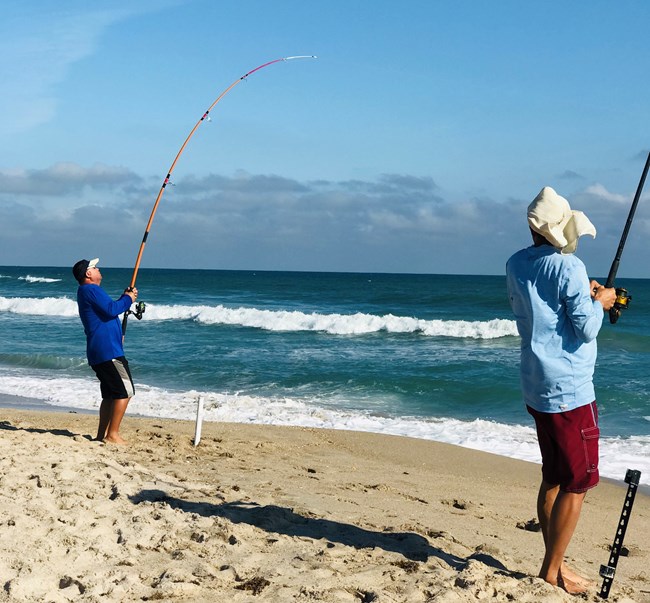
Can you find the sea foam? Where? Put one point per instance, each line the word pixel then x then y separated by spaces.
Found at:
pixel 514 441
pixel 283 320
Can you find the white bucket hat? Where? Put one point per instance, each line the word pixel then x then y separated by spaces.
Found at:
pixel 551 216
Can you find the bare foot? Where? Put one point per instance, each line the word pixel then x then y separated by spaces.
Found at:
pixel 115 440
pixel 573 588
pixel 568 574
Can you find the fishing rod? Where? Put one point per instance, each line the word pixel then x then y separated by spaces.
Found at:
pixel 140 306
pixel 623 298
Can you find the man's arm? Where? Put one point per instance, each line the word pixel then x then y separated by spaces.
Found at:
pixel 578 295
pixel 605 295
pixel 107 307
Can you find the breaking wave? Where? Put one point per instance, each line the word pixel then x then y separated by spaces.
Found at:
pixel 45 306
pixel 282 320
pixel 335 324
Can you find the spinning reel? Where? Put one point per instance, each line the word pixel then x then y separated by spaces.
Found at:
pixel 623 299
pixel 140 307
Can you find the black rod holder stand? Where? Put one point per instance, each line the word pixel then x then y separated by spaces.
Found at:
pixel 607 572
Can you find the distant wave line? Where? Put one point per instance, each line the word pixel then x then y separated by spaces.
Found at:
pixel 39 279
pixel 33 279
pixel 283 320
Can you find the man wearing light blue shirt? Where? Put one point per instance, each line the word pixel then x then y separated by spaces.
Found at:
pixel 559 312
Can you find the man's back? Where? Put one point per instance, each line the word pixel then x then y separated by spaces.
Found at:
pixel 558 323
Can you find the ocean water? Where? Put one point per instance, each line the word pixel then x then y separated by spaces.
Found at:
pixel 426 356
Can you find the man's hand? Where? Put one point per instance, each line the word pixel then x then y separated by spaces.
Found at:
pixel 605 295
pixel 132 292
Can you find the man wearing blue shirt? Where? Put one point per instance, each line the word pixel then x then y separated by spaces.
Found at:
pixel 104 346
pixel 559 312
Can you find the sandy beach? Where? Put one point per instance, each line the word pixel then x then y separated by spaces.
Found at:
pixel 258 513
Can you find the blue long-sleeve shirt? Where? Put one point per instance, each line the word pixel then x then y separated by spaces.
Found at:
pixel 99 315
pixel 558 322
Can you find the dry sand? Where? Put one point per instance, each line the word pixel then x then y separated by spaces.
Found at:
pixel 258 513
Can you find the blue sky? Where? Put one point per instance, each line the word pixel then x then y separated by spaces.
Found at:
pixel 412 144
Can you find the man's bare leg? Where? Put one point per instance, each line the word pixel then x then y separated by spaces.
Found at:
pixel 110 419
pixel 105 412
pixel 558 514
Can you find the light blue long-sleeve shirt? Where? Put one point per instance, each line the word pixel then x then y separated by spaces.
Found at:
pixel 558 322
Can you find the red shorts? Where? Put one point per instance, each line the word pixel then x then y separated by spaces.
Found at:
pixel 568 442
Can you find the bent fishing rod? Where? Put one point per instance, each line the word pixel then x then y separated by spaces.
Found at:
pixel 140 306
pixel 623 298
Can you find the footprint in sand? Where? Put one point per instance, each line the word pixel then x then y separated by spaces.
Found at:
pixel 463 505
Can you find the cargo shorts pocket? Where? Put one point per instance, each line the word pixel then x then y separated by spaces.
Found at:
pixel 590 437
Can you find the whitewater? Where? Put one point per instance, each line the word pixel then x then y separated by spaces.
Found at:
pixel 336 324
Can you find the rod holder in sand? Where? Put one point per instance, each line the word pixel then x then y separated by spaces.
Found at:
pixel 199 421
pixel 632 478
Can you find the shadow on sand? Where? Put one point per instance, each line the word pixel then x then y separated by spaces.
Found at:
pixel 9 426
pixel 283 520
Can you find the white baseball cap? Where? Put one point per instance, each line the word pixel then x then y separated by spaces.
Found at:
pixel 81 267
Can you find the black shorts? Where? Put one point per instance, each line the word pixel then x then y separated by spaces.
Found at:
pixel 115 379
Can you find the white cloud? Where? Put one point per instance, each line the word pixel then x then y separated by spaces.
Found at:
pixel 248 221
pixel 599 191
pixel 39 44
pixel 62 179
